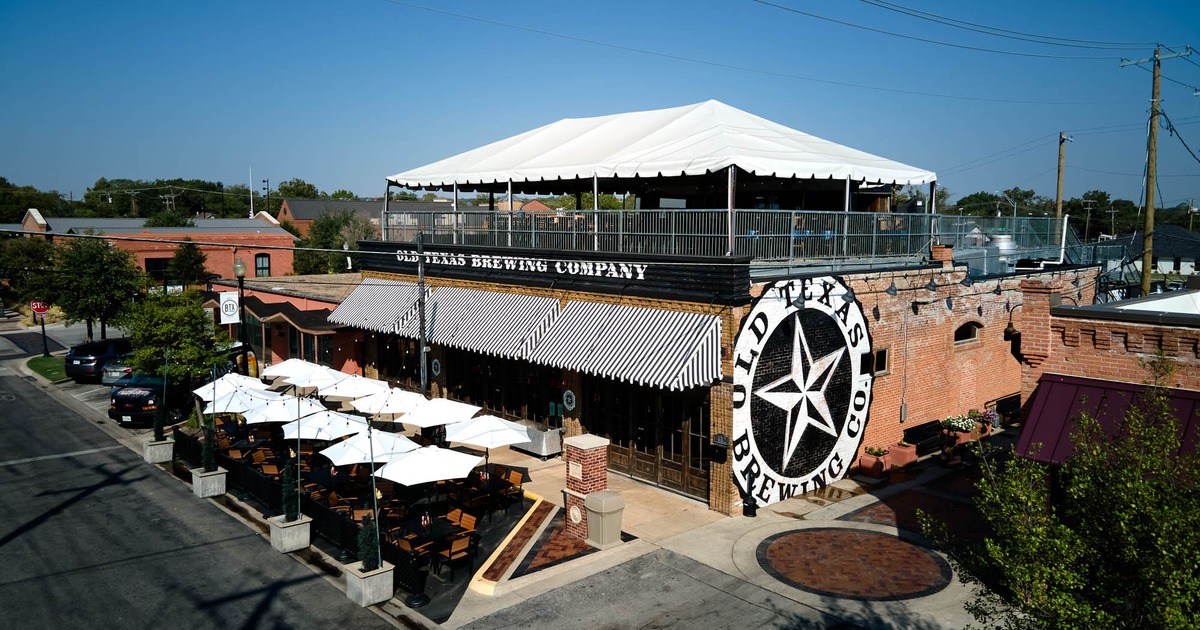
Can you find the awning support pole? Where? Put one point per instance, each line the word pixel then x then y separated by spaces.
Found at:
pixel 383 218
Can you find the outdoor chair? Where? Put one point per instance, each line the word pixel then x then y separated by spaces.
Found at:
pixel 420 552
pixel 461 549
pixel 454 516
pixel 467 522
pixel 339 504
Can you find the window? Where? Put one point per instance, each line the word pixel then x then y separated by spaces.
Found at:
pixel 324 345
pixel 157 267
pixel 876 362
pixel 967 332
pixel 262 265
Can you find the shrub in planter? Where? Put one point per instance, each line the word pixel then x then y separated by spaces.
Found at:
pixel 368 545
pixel 291 496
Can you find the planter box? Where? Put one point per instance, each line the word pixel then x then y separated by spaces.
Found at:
pixel 287 537
pixel 962 437
pixel 874 466
pixel 366 589
pixel 902 456
pixel 158 452
pixel 208 484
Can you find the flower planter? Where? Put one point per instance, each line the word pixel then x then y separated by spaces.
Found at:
pixel 158 452
pixel 208 484
pixel 373 587
pixel 287 537
pixel 902 456
pixel 874 465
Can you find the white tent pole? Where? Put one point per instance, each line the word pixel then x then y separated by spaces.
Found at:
pixel 510 216
pixel 454 223
pixel 846 223
pixel 595 212
pixel 729 215
pixel 383 228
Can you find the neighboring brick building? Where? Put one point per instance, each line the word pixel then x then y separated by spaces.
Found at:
pixel 302 212
pixel 1089 358
pixel 265 247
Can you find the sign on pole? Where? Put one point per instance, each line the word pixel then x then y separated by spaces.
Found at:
pixel 39 307
pixel 229 307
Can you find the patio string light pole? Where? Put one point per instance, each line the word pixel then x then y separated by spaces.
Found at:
pixel 239 270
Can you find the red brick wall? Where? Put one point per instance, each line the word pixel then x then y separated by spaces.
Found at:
pixel 219 259
pixel 594 478
pixel 1104 349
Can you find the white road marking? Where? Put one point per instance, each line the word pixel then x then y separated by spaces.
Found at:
pixel 15 462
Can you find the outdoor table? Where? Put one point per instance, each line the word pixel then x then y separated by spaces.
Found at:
pixel 438 529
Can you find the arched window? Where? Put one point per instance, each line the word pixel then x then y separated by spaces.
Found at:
pixel 967 332
pixel 262 265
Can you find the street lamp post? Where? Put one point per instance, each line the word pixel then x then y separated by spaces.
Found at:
pixel 239 270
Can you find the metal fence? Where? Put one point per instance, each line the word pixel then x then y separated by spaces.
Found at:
pixel 766 235
pixel 337 528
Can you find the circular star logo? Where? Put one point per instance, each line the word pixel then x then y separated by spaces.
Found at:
pixel 800 399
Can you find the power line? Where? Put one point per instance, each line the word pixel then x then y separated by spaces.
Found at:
pixel 1048 40
pixel 923 39
pixel 1175 133
pixel 714 64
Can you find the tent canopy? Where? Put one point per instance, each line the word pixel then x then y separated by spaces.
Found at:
pixel 689 140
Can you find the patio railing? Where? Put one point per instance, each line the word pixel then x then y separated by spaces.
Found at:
pixel 766 235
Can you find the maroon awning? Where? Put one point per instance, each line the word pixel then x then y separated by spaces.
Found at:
pixel 1059 400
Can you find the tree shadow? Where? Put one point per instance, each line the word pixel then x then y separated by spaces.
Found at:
pixel 79 493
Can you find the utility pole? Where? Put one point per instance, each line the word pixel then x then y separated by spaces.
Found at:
pixel 1088 205
pixel 1063 139
pixel 1152 162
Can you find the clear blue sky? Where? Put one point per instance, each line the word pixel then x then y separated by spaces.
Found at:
pixel 343 94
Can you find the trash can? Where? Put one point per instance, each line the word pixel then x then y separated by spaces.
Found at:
pixel 604 511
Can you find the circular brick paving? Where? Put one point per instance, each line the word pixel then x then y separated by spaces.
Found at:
pixel 853 564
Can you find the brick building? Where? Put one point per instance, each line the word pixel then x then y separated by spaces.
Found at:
pixel 263 245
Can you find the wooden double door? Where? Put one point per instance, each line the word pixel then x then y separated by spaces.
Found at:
pixel 656 436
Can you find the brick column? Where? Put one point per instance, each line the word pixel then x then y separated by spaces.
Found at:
pixel 1034 325
pixel 586 458
pixel 943 254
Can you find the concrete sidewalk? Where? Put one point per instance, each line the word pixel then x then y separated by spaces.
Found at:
pixel 834 529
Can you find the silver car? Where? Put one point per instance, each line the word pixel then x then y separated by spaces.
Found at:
pixel 115 369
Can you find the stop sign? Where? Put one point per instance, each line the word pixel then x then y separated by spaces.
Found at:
pixel 39 307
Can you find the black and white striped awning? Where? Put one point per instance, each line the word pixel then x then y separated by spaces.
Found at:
pixel 658 348
pixel 377 305
pixel 489 322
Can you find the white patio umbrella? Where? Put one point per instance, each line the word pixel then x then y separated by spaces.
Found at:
pixel 324 425
pixel 393 401
pixel 318 377
pixel 231 382
pixel 488 432
pixel 283 409
pixel 240 401
pixel 358 448
pixel 435 411
pixel 353 387
pixel 289 367
pixel 426 464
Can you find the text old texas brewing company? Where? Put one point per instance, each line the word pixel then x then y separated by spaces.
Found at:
pixel 800 397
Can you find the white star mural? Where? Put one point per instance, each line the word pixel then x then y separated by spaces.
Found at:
pixel 806 406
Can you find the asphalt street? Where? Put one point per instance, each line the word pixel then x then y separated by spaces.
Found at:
pixel 93 537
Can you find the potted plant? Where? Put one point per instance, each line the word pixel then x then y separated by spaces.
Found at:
pixel 903 454
pixel 208 480
pixel 369 581
pixel 290 531
pixel 874 462
pixel 158 450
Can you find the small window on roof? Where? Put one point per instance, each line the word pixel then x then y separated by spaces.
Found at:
pixel 967 332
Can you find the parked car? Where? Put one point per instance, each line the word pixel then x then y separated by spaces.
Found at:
pixel 86 361
pixel 116 369
pixel 136 398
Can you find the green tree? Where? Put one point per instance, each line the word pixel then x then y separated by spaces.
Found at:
pixel 343 195
pixel 169 218
pixel 179 325
pixel 27 264
pixel 94 281
pixel 15 200
pixel 187 265
pixel 1109 540
pixel 328 232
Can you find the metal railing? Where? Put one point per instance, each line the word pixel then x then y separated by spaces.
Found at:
pixel 766 235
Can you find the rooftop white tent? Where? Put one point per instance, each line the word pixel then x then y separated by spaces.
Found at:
pixel 691 140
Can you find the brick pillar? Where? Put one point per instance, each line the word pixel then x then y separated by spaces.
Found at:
pixel 943 254
pixel 586 458
pixel 1034 325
